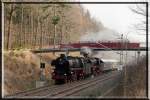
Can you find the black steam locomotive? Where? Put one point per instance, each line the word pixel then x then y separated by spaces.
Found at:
pixel 69 68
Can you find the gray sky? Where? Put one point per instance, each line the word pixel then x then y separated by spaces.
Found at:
pixel 117 17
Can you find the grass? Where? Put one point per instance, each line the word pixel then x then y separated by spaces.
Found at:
pixel 30 85
pixel 95 93
pixel 136 79
pixel 22 68
pixel 19 70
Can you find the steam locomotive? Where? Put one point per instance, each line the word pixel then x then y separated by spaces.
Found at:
pixel 69 68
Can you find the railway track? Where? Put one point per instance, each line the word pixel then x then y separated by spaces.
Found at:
pixel 70 91
pixel 65 89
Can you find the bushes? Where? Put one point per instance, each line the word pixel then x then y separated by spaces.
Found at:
pixel 136 79
pixel 21 68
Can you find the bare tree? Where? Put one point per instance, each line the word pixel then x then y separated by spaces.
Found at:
pixel 56 23
pixel 9 35
pixel 140 9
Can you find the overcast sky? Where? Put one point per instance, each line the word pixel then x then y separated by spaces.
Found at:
pixel 117 17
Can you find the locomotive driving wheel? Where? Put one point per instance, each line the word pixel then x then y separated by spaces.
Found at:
pixel 59 81
pixel 73 76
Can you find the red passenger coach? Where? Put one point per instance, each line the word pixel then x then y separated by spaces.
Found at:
pixel 112 45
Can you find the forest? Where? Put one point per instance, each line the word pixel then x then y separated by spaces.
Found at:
pixel 43 25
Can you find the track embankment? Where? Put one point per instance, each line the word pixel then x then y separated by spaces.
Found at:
pixel 79 88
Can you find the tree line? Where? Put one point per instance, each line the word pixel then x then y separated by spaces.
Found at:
pixel 39 25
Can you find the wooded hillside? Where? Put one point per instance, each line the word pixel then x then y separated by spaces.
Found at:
pixel 35 25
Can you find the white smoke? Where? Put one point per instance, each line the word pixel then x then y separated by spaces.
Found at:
pixel 103 35
pixel 86 50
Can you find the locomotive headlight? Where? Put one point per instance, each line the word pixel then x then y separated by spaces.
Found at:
pixel 65 74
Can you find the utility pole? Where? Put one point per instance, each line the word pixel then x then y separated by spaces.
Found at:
pixel 121 47
pixel 121 63
pixel 125 70
pixel 125 67
pixel 138 58
pixel 135 58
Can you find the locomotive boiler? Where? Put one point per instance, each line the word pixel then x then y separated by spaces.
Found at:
pixel 69 68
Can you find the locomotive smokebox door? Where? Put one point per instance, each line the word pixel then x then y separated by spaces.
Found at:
pixel 42 65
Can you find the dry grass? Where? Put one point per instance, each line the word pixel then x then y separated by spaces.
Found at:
pixel 22 68
pixel 136 79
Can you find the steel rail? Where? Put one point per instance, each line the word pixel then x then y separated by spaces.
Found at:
pixel 50 91
pixel 80 87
